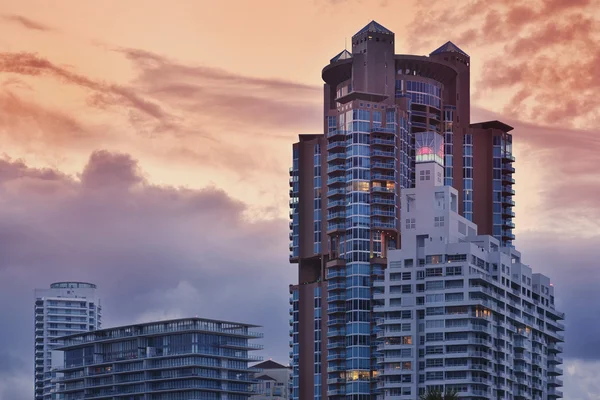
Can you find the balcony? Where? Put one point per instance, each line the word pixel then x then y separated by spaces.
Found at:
pixel 383 177
pixel 554 370
pixel 333 274
pixel 383 165
pixel 336 298
pixel 383 225
pixel 507 190
pixel 336 181
pixel 382 200
pixel 382 189
pixel 336 215
pixel 554 381
pixel 336 310
pixel 376 211
pixel 336 203
pixel 334 287
pixel 336 170
pixel 336 356
pixel 383 154
pixel 555 348
pixel 381 129
pixel 336 133
pixel 336 227
pixel 383 142
pixel 336 157
pixel 336 321
pixel 336 381
pixel 331 193
pixel 507 179
pixel 554 393
pixel 337 144
pixel 508 157
pixel 508 168
pixel 336 345
pixel 554 359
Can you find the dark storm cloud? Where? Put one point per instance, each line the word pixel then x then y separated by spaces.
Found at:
pixel 154 252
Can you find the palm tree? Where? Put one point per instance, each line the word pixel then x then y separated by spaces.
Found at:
pixel 436 394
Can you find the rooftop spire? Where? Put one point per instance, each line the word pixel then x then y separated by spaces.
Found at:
pixel 374 27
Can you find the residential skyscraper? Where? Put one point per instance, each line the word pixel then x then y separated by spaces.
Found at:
pixel 456 311
pixel 182 359
pixel 63 309
pixel 383 112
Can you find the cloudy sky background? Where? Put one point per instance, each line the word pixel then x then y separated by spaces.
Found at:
pixel 145 147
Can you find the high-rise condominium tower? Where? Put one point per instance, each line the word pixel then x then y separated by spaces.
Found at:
pixel 458 312
pixel 63 309
pixel 382 113
pixel 181 359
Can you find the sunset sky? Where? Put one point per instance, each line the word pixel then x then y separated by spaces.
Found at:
pixel 146 145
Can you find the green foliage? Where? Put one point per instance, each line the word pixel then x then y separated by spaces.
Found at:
pixel 435 394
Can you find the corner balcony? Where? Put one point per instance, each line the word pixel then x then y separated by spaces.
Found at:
pixel 554 381
pixel 336 310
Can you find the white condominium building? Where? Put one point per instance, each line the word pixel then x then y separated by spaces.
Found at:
pixel 458 312
pixel 63 309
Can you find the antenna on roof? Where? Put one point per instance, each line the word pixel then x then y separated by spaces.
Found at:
pixel 345 43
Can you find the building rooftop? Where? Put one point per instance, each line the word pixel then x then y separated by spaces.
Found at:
pixel 343 55
pixel 269 364
pixel 72 285
pixel 374 27
pixel 449 47
pixel 160 328
pixel 492 125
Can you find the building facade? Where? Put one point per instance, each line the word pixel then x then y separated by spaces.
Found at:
pixel 457 311
pixel 181 359
pixel 272 381
pixel 383 112
pixel 63 309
